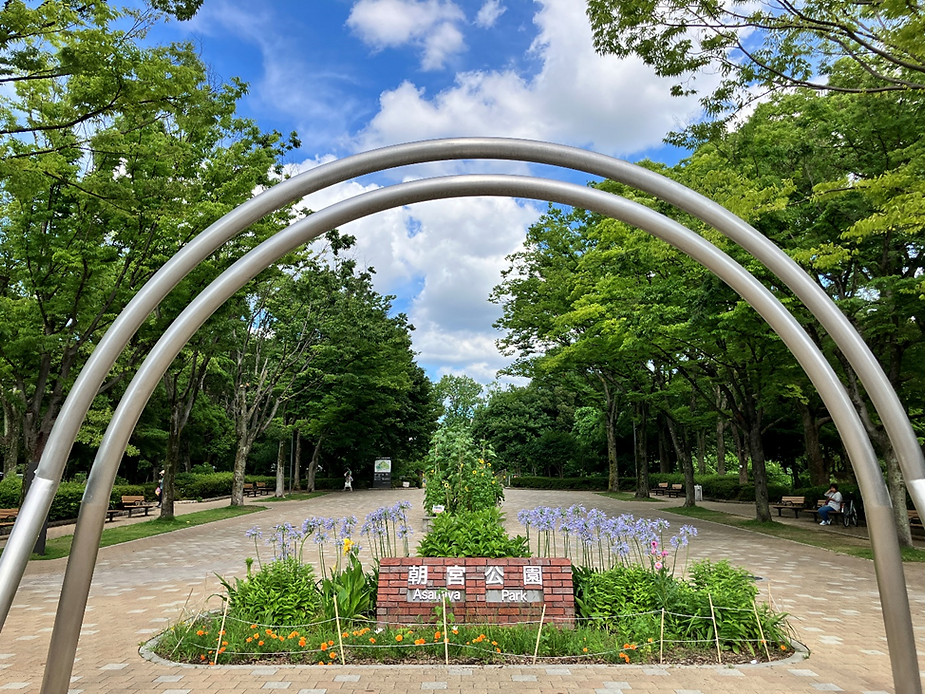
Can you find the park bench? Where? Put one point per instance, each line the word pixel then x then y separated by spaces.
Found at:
pixel 262 488
pixel 250 489
pixel 661 489
pixel 847 513
pixel 8 516
pixel 675 490
pixel 793 503
pixel 133 504
pixel 914 520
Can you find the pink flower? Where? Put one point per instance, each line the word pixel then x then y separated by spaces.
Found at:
pixel 653 552
pixel 655 543
pixel 658 566
pixel 664 552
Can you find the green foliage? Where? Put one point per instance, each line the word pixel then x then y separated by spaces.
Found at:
pixel 460 477
pixel 630 600
pixel 280 592
pixel 10 491
pixel 471 534
pixel 354 590
pixel 572 483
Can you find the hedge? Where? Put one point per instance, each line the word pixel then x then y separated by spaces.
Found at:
pixel 584 483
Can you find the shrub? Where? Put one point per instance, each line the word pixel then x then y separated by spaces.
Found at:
pixel 10 491
pixel 280 592
pixel 571 483
pixel 352 588
pixel 472 534
pixel 120 490
pixel 208 486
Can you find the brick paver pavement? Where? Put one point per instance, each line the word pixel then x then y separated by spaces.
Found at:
pixel 141 586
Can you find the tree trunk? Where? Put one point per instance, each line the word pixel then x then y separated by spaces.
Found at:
pixel 639 452
pixel 720 446
pixel 759 471
pixel 818 475
pixel 664 462
pixel 702 452
pixel 741 454
pixel 610 420
pixel 297 457
pixel 12 435
pixel 681 446
pixel 313 466
pixel 280 470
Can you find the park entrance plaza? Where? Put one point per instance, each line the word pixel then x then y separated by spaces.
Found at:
pixel 142 586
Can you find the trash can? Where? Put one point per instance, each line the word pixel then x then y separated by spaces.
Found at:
pixel 698 492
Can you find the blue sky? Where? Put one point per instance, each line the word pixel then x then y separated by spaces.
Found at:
pixel 351 75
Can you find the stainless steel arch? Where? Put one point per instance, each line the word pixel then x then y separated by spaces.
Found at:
pixel 38 502
pixel 86 541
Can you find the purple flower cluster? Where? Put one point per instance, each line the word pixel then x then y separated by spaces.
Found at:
pixel 594 539
pixel 385 527
pixel 288 542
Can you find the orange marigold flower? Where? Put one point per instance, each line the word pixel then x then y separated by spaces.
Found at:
pixel 302 642
pixel 321 662
pixel 345 635
pixel 253 626
pixel 221 633
pixel 626 645
pixel 584 650
pixel 224 643
pixel 200 632
pixel 332 655
pixel 783 647
pixel 455 631
pixel 269 631
pixel 260 643
pixel 324 646
pixel 202 657
pixel 436 635
pixel 221 650
pixel 256 635
pixel 372 640
pixel 249 639
pixel 494 643
pixel 650 639
pixel 497 650
pixel 399 637
pixel 633 646
pixel 330 643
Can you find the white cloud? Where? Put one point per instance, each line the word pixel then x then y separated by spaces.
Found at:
pixel 451 252
pixel 578 97
pixel 428 24
pixel 489 13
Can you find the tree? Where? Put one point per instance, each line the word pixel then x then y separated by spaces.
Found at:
pixel 756 48
pixel 461 396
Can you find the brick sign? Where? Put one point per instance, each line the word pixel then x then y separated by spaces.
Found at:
pixel 477 590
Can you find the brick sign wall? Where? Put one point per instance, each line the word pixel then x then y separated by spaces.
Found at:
pixel 478 590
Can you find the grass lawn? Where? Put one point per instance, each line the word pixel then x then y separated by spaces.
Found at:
pixel 626 496
pixel 296 496
pixel 58 547
pixel 843 544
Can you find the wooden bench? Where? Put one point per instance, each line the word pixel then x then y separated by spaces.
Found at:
pixel 675 490
pixel 262 488
pixel 133 504
pixel 661 489
pixel 822 502
pixel 793 503
pixel 914 520
pixel 8 516
pixel 250 489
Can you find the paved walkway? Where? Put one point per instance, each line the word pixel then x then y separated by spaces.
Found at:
pixel 141 586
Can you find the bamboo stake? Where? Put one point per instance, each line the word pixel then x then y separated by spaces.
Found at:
pixel 761 631
pixel 719 655
pixel 221 632
pixel 539 633
pixel 661 641
pixel 340 638
pixel 446 638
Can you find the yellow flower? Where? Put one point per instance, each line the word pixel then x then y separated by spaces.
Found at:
pixel 348 545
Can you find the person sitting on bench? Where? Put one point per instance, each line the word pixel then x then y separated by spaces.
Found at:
pixel 833 504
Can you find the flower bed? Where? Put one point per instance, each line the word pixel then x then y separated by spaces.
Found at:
pixel 636 597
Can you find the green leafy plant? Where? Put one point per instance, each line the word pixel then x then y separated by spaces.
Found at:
pixel 472 534
pixel 280 592
pixel 460 476
pixel 352 588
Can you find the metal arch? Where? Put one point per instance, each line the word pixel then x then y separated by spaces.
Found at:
pixel 51 466
pixel 897 615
